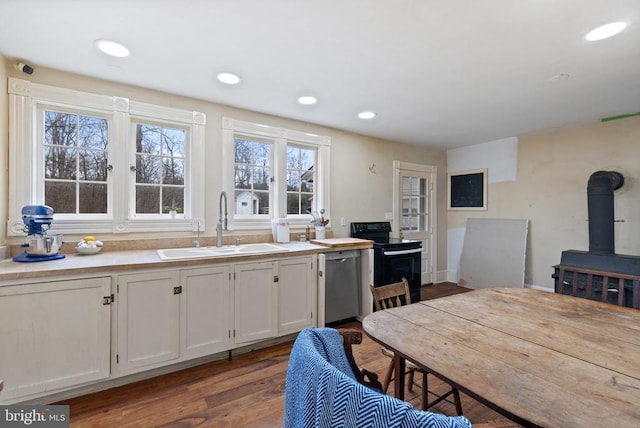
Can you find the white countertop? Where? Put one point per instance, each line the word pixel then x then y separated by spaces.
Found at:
pixel 106 262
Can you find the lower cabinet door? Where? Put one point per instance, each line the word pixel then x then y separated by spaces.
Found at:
pixel 255 312
pixel 206 312
pixel 296 294
pixel 148 319
pixel 53 335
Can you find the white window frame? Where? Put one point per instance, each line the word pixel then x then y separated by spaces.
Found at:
pixel 39 154
pixel 26 99
pixel 280 137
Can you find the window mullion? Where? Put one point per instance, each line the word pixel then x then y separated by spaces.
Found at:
pixel 77 164
pixel 195 195
pixel 279 173
pixel 37 161
pixel 322 180
pixel 120 176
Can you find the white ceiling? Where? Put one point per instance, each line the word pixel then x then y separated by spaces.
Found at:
pixel 445 73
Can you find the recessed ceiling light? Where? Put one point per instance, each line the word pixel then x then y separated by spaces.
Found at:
pixel 307 100
pixel 606 31
pixel 112 48
pixel 229 78
pixel 367 114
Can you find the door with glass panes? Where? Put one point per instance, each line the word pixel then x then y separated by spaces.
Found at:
pixel 414 211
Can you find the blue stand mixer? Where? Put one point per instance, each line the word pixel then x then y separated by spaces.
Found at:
pixel 38 245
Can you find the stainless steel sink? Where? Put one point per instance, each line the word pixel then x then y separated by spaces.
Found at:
pixel 225 251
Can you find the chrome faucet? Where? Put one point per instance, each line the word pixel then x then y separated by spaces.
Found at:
pixel 222 223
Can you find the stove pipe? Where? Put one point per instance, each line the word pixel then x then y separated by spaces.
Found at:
pixel 600 206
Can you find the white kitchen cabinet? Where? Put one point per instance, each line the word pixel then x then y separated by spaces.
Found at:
pixel 269 298
pixel 206 313
pixel 54 335
pixel 148 319
pixel 255 301
pixel 296 294
pixel 175 315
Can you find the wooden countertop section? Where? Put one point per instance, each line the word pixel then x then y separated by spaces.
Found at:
pixel 341 242
pixel 110 262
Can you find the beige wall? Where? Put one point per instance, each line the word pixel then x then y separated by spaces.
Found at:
pixel 356 193
pixel 550 190
pixel 363 195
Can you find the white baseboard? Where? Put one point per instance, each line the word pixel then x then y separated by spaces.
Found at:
pixel 452 276
pixel 446 276
pixel 539 287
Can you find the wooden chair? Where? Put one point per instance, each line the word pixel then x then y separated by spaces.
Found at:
pixel 365 377
pixel 394 295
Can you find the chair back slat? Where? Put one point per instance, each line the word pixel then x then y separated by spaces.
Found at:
pixel 391 296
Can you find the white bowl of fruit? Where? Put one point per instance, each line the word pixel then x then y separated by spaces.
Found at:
pixel 89 245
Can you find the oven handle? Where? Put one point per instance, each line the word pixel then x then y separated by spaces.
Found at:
pixel 401 252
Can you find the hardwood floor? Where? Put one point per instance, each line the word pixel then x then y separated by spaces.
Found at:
pixel 432 291
pixel 245 392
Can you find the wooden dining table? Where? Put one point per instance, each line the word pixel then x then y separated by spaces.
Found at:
pixel 539 358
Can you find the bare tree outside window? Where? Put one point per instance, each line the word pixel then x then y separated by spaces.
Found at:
pixel 76 163
pixel 300 179
pixel 160 169
pixel 252 176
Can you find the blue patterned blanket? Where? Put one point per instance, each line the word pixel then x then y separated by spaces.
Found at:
pixel 321 391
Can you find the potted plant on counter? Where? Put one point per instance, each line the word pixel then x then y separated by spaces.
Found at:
pixel 173 208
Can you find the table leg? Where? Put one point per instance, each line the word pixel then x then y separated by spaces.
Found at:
pixel 398 381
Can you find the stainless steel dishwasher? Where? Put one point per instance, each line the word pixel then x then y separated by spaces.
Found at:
pixel 342 285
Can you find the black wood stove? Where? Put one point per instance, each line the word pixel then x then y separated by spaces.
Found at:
pixel 601 257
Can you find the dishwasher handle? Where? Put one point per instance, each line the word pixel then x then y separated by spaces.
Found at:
pixel 342 256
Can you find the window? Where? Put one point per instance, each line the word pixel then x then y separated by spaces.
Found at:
pixel 75 162
pixel 252 176
pixel 105 164
pixel 276 173
pixel 300 177
pixel 414 203
pixel 160 169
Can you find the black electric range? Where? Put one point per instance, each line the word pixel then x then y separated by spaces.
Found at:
pixel 393 258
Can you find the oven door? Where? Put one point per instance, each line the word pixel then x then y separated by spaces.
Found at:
pixel 391 265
